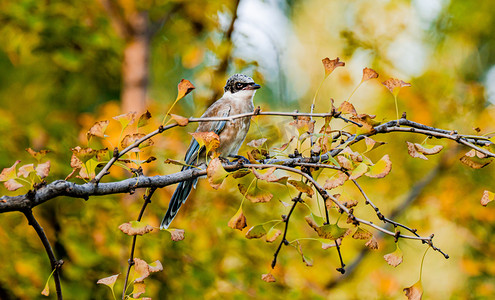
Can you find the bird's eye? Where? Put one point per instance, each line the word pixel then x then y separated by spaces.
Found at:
pixel 239 85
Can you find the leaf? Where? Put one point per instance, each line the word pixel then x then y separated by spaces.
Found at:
pixel 38 155
pixel 475 159
pixel 302 187
pixel 303 125
pixel 240 173
pixel 183 88
pixel 268 277
pixel 25 170
pixel 255 194
pixel 269 177
pixel 344 162
pixel 487 197
pixel 305 260
pixel 12 185
pixel 284 146
pixel 135 228
pixel 175 162
pixel 372 144
pixel 257 143
pixel 238 221
pixel 216 173
pixel 256 232
pixel 335 182
pixel 208 139
pixel 419 151
pixel 367 123
pixel 381 168
pixel 102 154
pixel 314 221
pixel 394 85
pixel 331 64
pixel 130 139
pixel 43 169
pixel 272 235
pixel 9 173
pixel 141 270
pixel 46 289
pixel 126 119
pixel 347 108
pixel 138 289
pixel 82 154
pixel 182 121
pixel 155 266
pixel 326 128
pixel 144 119
pixel 395 258
pixel 372 243
pixel 358 171
pixel 108 281
pixel 326 244
pixel 331 231
pixel 369 74
pixel 414 292
pixel 98 129
pixel 362 234
pixel 176 234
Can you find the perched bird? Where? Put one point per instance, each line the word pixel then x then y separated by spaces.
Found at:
pixel 237 99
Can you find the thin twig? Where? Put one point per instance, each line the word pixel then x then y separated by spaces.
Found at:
pixel 55 264
pixel 147 200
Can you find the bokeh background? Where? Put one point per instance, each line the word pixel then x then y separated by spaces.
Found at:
pixel 65 65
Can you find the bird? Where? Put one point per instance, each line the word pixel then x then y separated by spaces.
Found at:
pixel 237 99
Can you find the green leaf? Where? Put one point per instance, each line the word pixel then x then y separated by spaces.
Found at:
pixel 358 171
pixel 272 235
pixel 256 232
pixel 144 119
pixel 126 119
pixel 331 231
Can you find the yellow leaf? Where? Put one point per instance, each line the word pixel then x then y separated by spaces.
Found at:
pixel 335 182
pixel 126 119
pixel 25 170
pixel 255 194
pixel 475 159
pixel 372 243
pixel 381 168
pixel 347 108
pixel 98 129
pixel 394 85
pixel 108 281
pixel 144 119
pixel 358 171
pixel 183 88
pixel 302 187
pixel 216 173
pixel 141 270
pixel 372 144
pixel 256 232
pixel 362 234
pixel 272 235
pixel 138 289
pixel 208 139
pixel 9 173
pixel 38 155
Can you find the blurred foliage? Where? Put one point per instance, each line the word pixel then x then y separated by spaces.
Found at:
pixel 60 68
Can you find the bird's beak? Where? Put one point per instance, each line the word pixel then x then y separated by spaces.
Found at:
pixel 252 86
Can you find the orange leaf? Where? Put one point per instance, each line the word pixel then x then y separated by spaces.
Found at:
pixel 183 88
pixel 98 129
pixel 142 270
pixel 182 121
pixel 268 277
pixel 138 289
pixel 216 173
pixel 369 74
pixel 331 64
pixel 347 108
pixel 135 228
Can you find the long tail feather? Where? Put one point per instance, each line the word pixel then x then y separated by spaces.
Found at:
pixel 178 198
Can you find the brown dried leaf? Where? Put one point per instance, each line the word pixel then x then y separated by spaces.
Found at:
pixel 256 232
pixel 83 154
pixel 12 185
pixel 42 170
pixel 394 85
pixel 142 270
pixel 487 197
pixel 135 228
pixel 182 121
pixel 335 182
pixel 305 260
pixel 208 139
pixel 126 119
pixel 413 152
pixel 183 88
pixel 176 234
pixel 98 129
pixel 395 258
pixel 344 162
pixel 255 194
pixel 238 221
pixel 155 266
pixel 331 64
pixel 369 74
pixel 38 155
pixel 303 125
pixel 46 290
pixel 268 277
pixel 414 292
pixel 372 144
pixel 372 243
pixel 475 159
pixel 358 171
pixel 257 143
pixel 362 234
pixel 347 108
pixel 284 146
pixel 426 150
pixel 130 139
pixel 311 222
pixel 302 187
pixel 108 281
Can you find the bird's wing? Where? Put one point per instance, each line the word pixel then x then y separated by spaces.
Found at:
pixel 217 127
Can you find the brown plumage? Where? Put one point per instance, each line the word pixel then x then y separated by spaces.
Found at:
pixel 237 99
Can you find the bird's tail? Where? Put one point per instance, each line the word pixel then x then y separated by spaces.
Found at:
pixel 178 198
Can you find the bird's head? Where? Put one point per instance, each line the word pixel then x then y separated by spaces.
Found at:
pixel 241 84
